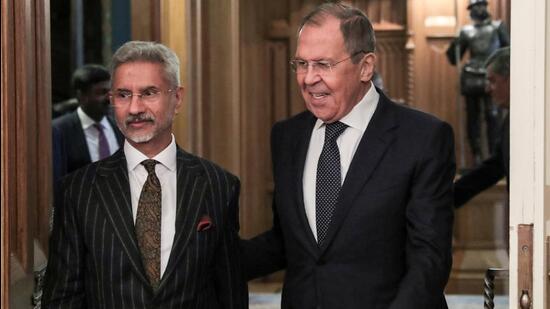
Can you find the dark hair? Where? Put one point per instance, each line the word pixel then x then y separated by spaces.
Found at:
pixel 354 24
pixel 88 75
pixel 499 61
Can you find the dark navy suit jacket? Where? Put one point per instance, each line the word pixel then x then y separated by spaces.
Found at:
pixel 389 241
pixel 74 148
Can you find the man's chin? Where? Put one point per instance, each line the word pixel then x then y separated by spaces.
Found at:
pixel 140 139
pixel 323 115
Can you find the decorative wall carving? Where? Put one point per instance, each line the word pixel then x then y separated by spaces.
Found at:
pixel 383 12
pixel 392 62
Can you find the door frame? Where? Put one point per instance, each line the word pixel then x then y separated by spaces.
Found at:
pixel 530 140
pixel 26 143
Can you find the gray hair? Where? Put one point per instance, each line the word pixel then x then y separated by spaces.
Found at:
pixel 499 61
pixel 134 51
pixel 354 24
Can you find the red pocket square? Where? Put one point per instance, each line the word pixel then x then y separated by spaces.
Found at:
pixel 205 223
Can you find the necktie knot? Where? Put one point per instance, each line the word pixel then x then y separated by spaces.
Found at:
pixel 98 126
pixel 150 165
pixel 333 130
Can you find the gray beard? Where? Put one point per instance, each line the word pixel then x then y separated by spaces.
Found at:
pixel 142 138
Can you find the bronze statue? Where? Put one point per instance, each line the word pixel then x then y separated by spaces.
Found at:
pixel 481 39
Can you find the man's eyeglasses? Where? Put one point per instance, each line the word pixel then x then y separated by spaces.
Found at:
pixel 123 97
pixel 300 66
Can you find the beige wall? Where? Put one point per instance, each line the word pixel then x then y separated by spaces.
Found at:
pixel 174 34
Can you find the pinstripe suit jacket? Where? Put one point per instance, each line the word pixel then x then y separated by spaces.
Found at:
pixel 94 259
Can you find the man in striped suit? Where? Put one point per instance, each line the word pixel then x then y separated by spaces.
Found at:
pixel 152 226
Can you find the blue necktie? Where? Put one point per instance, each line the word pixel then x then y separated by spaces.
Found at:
pixel 329 179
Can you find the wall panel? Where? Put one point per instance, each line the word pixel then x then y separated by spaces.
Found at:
pixel 8 192
pixel 26 151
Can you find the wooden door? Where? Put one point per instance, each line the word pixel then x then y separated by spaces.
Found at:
pixel 26 140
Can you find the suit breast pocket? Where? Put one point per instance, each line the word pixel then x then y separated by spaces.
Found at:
pixel 388 184
pixel 204 242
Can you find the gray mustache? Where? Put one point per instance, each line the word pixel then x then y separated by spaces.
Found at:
pixel 140 117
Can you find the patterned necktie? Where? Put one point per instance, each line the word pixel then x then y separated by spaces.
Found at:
pixel 329 179
pixel 103 145
pixel 148 223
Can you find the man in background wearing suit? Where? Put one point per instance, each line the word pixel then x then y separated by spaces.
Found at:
pixel 87 134
pixel 151 226
pixel 497 166
pixel 362 206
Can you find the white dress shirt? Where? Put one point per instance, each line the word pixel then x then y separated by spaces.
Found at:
pixel 357 121
pixel 92 134
pixel 167 174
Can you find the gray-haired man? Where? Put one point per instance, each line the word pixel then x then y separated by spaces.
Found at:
pixel 497 166
pixel 151 226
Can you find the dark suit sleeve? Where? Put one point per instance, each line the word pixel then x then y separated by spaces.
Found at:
pixel 503 35
pixel 265 254
pixel 64 282
pixel 429 215
pixel 59 164
pixel 231 287
pixel 58 155
pixel 482 177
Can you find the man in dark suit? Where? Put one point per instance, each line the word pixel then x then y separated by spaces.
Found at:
pixel 497 166
pixel 363 187
pixel 87 134
pixel 151 226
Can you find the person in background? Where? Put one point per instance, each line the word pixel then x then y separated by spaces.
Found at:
pixel 362 206
pixel 481 38
pixel 497 166
pixel 64 107
pixel 151 226
pixel 89 133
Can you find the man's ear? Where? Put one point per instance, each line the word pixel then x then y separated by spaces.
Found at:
pixel 180 91
pixel 367 67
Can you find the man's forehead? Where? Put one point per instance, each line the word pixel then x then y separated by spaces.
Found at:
pixel 142 64
pixel 322 21
pixel 139 72
pixel 319 41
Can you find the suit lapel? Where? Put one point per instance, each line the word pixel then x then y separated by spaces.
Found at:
pixel 113 188
pixel 79 143
pixel 299 159
pixel 192 186
pixel 375 141
pixel 118 135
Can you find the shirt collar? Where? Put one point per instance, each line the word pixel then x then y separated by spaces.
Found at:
pixel 361 113
pixel 166 157
pixel 87 122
